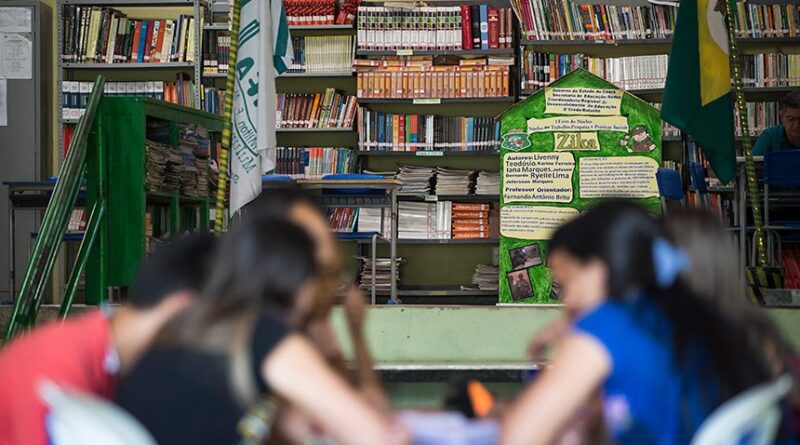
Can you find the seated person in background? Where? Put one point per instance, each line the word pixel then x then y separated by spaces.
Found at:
pixel 87 352
pixel 785 136
pixel 663 357
pixel 214 362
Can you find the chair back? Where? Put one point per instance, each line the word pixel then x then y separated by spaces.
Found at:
pixel 781 169
pixel 751 418
pixel 81 419
pixel 698 178
pixel 669 186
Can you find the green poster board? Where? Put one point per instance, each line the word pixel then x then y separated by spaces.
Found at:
pixel 575 143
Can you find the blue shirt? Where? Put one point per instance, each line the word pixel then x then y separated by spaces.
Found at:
pixel 772 139
pixel 647 400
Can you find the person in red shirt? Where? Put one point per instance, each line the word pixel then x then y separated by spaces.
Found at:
pixel 88 352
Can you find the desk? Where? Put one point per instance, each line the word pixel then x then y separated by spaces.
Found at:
pixel 27 196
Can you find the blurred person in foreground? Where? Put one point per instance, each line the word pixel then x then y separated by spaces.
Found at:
pixel 89 352
pixel 715 274
pixel 310 313
pixel 211 364
pixel 663 357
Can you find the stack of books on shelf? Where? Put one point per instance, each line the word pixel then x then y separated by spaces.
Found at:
pixel 343 219
pixel 770 70
pixel 313 162
pixel 106 35
pixel 77 221
pixel 369 221
pixel 194 146
pixel 487 183
pixel 415 180
pixel 454 182
pixel 216 53
pixel 759 20
pixel 424 220
pixel 322 54
pixel 383 273
pixel 435 28
pixel 486 277
pixel 632 73
pixel 310 12
pixel 75 94
pixel 379 131
pixel 568 20
pixel 164 167
pixel 470 221
pixel 411 77
pixel 760 116
pixel 321 110
pixel 212 100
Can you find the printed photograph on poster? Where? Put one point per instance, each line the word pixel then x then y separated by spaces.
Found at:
pixel 638 140
pixel 525 257
pixel 519 283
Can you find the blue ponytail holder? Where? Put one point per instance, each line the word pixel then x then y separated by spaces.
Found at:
pixel 668 262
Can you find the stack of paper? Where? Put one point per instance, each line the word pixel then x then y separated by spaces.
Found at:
pixel 488 183
pixel 416 180
pixel 424 220
pixel 202 176
pixel 194 139
pixel 369 220
pixel 173 172
pixel 453 182
pixel 486 277
pixel 383 273
pixel 156 156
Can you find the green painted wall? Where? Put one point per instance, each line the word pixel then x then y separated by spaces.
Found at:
pixel 425 334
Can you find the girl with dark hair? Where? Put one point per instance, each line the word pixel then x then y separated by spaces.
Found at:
pixel 662 357
pixel 216 360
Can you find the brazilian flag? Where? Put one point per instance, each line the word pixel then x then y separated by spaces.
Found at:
pixel 697 97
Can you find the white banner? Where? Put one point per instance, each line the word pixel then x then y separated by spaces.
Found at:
pixel 262 25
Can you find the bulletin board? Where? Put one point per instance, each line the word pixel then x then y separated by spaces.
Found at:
pixel 575 143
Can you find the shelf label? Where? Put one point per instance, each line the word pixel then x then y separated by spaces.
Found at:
pixel 427 101
pixel 431 198
pixel 405 52
pixel 429 153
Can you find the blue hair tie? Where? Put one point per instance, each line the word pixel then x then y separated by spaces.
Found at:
pixel 668 262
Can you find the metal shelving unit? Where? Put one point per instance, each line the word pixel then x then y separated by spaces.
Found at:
pixel 426 153
pixel 450 52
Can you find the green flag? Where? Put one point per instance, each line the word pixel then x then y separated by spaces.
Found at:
pixel 697 96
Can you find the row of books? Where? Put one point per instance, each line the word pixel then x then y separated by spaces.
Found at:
pixel 429 81
pixel 760 116
pixel 444 220
pixel 379 131
pixel 632 73
pixel 435 28
pixel 567 20
pixel 322 54
pixel 650 72
pixel 212 100
pixel 106 35
pixel 770 70
pixel 216 52
pixel 319 12
pixel 77 221
pixel 343 219
pixel 75 94
pixel 313 162
pixel 321 110
pixel 757 20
